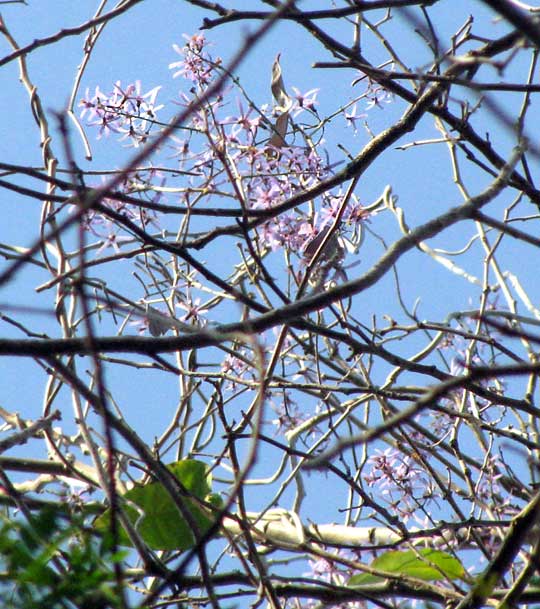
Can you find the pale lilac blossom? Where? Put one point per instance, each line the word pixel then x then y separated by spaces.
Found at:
pixel 128 111
pixel 196 65
pixel 399 480
pixel 305 101
pixel 265 198
pixel 378 96
pixel 289 417
pixel 194 310
pixel 352 117
pixel 111 239
pixel 243 123
pixel 234 368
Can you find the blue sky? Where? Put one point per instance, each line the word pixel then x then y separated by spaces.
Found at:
pixel 128 52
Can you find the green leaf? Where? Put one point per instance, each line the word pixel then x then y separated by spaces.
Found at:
pixel 425 563
pixel 156 517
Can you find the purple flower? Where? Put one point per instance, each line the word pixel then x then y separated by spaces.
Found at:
pixel 127 111
pixel 352 117
pixel 289 417
pixel 382 466
pixel 196 65
pixel 266 197
pixel 269 235
pixel 324 569
pixel 305 101
pixel 89 103
pixel 378 96
pixel 243 123
pixel 194 310
pixel 308 231
pixel 111 238
pixel 195 42
pixel 355 213
pixel 154 321
pixel 403 484
pixel 330 211
pixel 233 364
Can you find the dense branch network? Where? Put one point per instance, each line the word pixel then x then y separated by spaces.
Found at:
pixel 319 434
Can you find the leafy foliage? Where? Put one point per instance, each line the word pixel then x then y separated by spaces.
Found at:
pixel 425 563
pixel 155 515
pixel 50 561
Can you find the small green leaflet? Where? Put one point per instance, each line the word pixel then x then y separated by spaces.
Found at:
pixel 154 515
pixel 425 563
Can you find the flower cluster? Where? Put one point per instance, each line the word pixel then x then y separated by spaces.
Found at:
pixel 402 483
pixel 233 155
pixel 229 149
pixel 126 111
pixel 196 65
pixel 289 415
pixel 102 226
pixel 240 144
pixel 334 572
